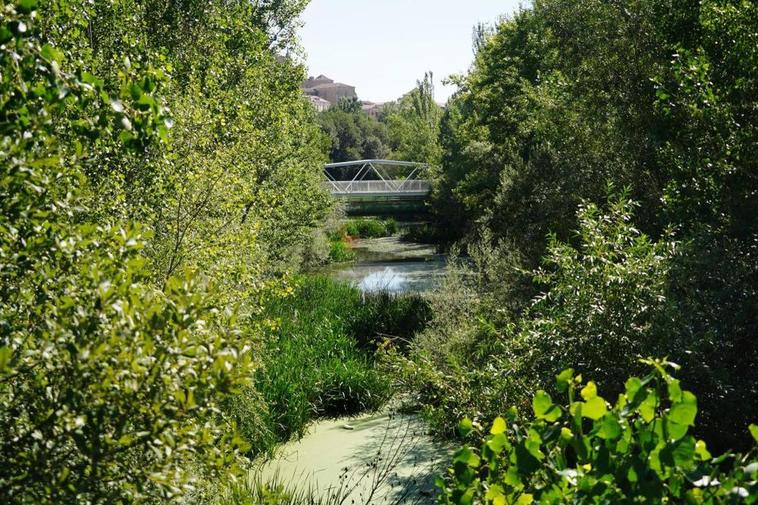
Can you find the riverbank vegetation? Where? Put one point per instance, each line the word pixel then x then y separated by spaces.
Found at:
pixel 342 234
pixel 161 189
pixel 317 357
pixel 370 228
pixel 598 167
pixel 160 178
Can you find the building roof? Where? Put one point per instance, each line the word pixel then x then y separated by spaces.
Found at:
pixel 318 99
pixel 332 85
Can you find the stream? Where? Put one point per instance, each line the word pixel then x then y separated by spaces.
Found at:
pixel 379 458
pixel 389 264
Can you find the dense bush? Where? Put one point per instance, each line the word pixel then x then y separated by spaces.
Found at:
pixel 370 228
pixel 339 251
pixel 603 307
pixel 590 451
pixel 109 388
pixel 657 97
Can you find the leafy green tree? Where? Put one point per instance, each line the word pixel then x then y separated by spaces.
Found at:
pixel 238 192
pixel 350 105
pixel 354 135
pixel 566 96
pixel 110 389
pixel 413 124
pixel 604 306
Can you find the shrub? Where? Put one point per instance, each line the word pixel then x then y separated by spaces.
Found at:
pixel 587 451
pixel 388 316
pixel 422 233
pixel 370 228
pixel 339 251
pixel 390 226
pixel 109 388
pixel 604 306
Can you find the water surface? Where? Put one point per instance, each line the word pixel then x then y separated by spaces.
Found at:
pixel 388 264
pixel 373 459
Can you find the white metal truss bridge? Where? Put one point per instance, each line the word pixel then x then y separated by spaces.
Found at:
pixel 381 178
pixel 380 187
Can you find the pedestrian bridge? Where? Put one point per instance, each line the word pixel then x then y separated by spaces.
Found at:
pixel 379 187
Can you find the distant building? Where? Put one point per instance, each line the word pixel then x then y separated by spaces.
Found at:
pixel 319 103
pixel 326 89
pixel 373 109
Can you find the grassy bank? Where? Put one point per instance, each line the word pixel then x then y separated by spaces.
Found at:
pixel 318 361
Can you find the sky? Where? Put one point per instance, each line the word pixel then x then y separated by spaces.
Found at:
pixel 382 47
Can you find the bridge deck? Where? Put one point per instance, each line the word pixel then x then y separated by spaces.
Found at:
pixel 399 188
pixel 379 187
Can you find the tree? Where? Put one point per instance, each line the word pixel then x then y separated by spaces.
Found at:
pixel 354 135
pixel 654 96
pixel 109 388
pixel 413 124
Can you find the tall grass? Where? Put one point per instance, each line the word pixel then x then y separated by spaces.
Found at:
pixel 370 228
pixel 313 366
pixel 339 250
pixel 319 359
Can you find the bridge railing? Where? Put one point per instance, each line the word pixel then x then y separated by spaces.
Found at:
pixel 386 186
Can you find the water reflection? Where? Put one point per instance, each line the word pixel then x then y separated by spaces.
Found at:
pixel 393 266
pixel 399 277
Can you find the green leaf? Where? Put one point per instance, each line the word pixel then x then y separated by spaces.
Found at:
pixel 685 411
pixel 50 53
pixel 465 427
pixel 633 384
pixel 467 456
pixel 675 430
pixel 754 431
pixel 494 493
pixel 498 426
pixel 684 452
pixel 541 403
pixel 497 443
pixel 594 408
pixel 512 478
pixel 702 451
pixel 564 378
pixel 675 391
pixel 525 499
pixel 589 391
pixel 647 407
pixel 610 429
pixel 544 408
